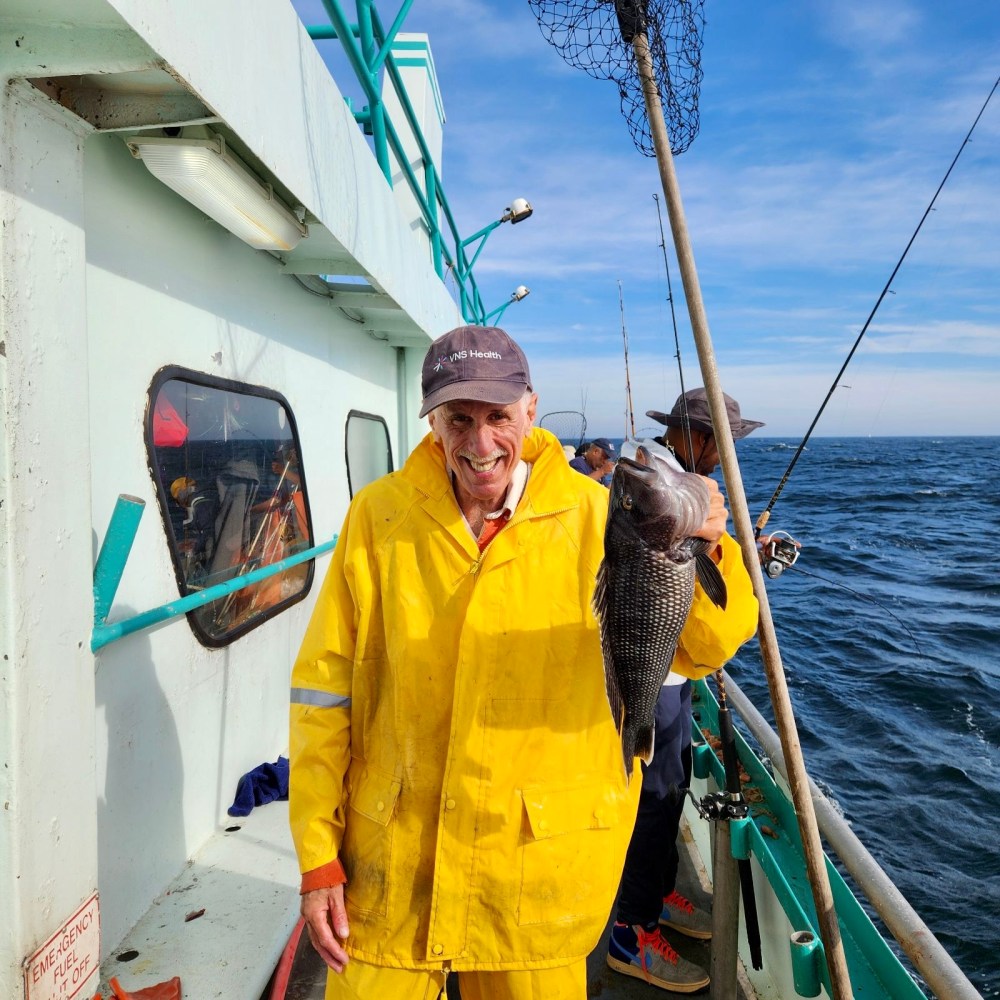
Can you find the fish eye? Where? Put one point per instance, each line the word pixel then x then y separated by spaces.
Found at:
pixel 626 501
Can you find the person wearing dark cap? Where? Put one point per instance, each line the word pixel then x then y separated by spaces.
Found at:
pixel 598 460
pixel 649 902
pixel 453 756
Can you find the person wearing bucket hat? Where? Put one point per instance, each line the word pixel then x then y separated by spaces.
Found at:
pixel 448 708
pixel 598 460
pixel 706 455
pixel 650 904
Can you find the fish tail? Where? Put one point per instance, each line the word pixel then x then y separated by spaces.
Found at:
pixel 637 741
pixel 644 744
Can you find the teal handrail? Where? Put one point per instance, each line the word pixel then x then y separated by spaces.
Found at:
pixel 103 635
pixel 111 564
pixel 367 59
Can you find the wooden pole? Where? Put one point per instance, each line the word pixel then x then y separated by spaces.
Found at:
pixel 798 780
pixel 725 914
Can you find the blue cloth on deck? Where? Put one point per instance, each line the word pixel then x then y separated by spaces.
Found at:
pixel 265 783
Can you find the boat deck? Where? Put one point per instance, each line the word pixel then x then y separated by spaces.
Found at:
pixel 309 972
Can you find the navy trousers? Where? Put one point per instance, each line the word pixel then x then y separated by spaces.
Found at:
pixel 651 862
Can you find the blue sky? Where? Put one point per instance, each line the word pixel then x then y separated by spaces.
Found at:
pixel 825 131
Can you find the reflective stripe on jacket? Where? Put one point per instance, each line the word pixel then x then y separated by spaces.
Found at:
pixel 451 740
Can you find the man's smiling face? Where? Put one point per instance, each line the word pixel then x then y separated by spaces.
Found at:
pixel 482 444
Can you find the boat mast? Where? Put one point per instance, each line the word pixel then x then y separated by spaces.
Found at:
pixel 784 717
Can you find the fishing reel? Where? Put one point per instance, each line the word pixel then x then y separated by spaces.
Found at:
pixel 720 806
pixel 778 553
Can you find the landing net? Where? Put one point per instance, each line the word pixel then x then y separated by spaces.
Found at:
pixel 596 36
pixel 570 426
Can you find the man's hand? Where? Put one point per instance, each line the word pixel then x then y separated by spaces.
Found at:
pixel 602 470
pixel 715 524
pixel 326 920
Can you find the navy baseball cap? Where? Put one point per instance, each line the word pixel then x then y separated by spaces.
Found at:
pixel 608 448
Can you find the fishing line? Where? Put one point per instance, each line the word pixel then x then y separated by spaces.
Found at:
pixel 685 419
pixel 866 597
pixel 762 520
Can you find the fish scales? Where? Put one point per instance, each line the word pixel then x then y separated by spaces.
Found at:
pixel 645 587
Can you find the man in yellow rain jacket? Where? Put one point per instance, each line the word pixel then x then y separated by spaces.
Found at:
pixel 453 756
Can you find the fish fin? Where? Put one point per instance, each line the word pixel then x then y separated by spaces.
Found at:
pixel 600 605
pixel 637 741
pixel 711 579
pixel 644 744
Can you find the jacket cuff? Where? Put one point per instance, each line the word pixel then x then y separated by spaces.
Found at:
pixel 324 877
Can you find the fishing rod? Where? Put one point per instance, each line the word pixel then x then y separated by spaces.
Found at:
pixel 685 419
pixel 628 382
pixel 765 515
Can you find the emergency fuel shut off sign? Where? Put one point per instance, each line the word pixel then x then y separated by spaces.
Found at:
pixel 62 966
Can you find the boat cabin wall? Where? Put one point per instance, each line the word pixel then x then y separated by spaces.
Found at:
pixel 48 823
pixel 175 719
pixel 118 766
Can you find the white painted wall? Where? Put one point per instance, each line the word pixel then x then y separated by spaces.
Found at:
pixel 177 724
pixel 48 826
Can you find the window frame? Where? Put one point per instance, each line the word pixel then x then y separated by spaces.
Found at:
pixel 179 373
pixel 347 455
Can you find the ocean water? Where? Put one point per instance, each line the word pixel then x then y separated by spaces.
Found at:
pixel 889 629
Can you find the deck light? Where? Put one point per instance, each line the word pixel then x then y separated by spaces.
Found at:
pixel 521 292
pixel 517 211
pixel 208 175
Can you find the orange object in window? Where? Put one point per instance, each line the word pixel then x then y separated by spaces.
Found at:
pixel 169 431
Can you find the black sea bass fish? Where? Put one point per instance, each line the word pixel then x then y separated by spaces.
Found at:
pixel 645 587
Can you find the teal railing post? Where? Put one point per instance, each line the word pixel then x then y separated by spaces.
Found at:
pixel 388 37
pixel 806 957
pixel 114 553
pixel 367 59
pixel 366 36
pixel 430 182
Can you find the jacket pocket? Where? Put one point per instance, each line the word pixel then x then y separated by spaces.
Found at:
pixel 368 835
pixel 571 855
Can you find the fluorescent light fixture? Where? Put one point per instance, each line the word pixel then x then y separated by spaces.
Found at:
pixel 208 175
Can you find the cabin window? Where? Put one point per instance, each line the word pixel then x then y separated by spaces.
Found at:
pixel 368 449
pixel 232 493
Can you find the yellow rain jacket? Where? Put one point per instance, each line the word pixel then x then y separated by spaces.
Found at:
pixel 711 635
pixel 451 740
